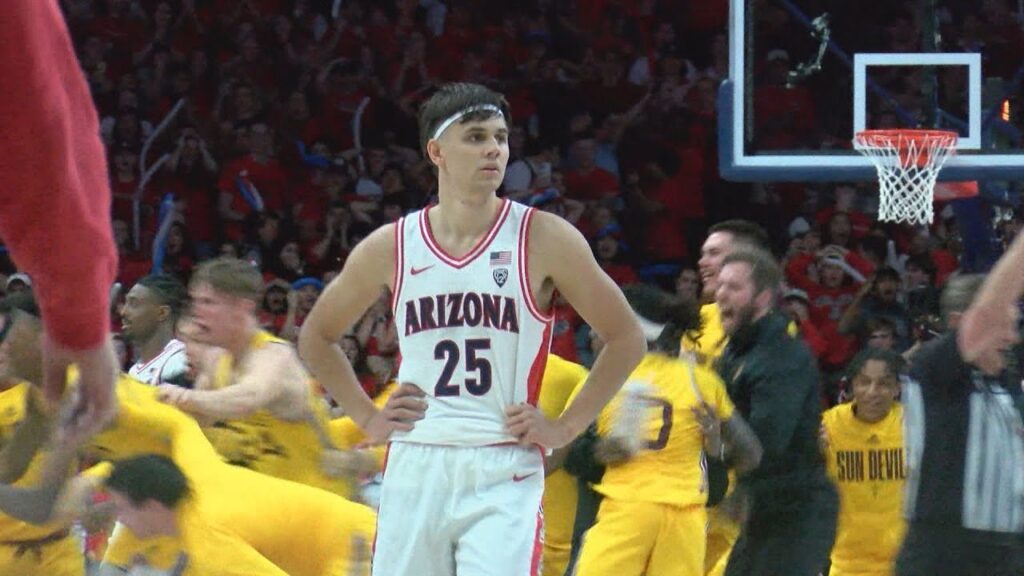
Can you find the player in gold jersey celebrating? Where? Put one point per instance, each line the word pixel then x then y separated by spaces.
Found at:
pixel 29 548
pixel 653 437
pixel 863 445
pixel 257 402
pixel 300 530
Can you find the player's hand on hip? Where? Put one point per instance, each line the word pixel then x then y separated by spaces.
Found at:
pixel 404 407
pixel 97 373
pixel 531 427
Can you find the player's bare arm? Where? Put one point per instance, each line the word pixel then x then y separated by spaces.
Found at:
pixel 28 438
pixel 989 326
pixel 560 258
pixel 732 440
pixel 368 270
pixel 743 450
pixel 37 504
pixel 269 378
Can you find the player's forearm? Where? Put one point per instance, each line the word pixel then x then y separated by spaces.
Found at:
pixel 36 505
pixel 743 448
pixel 334 372
pixel 227 403
pixel 18 453
pixel 613 366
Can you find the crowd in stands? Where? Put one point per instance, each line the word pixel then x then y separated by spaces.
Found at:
pixel 286 132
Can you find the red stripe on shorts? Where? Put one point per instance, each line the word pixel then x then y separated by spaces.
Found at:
pixel 538 545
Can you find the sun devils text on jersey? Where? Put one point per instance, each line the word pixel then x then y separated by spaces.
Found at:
pixel 470 333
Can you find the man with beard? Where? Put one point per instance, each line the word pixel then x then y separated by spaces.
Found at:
pixel 788 503
pixel 705 346
pixel 148 317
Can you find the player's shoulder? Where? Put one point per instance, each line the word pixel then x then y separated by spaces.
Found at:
pixel 546 227
pixel 380 243
pixel 276 350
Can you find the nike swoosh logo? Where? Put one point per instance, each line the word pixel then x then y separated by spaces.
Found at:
pixel 518 478
pixel 414 271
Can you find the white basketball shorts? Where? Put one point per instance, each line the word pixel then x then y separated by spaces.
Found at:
pixel 460 511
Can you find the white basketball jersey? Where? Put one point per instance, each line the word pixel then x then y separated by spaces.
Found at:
pixel 469 332
pixel 168 365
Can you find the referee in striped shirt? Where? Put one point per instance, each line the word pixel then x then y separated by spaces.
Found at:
pixel 965 437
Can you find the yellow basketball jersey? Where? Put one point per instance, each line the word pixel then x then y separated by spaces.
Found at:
pixel 303 530
pixel 561 378
pixel 268 444
pixel 12 411
pixel 670 469
pixel 868 465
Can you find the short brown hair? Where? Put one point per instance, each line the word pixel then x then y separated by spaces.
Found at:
pixel 230 276
pixel 743 231
pixel 453 98
pixel 764 269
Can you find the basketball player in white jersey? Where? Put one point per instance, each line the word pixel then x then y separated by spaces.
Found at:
pixel 472 280
pixel 148 317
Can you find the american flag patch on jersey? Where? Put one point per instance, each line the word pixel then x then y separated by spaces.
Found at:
pixel 503 258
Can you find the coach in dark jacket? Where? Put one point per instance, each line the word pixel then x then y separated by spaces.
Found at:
pixel 791 506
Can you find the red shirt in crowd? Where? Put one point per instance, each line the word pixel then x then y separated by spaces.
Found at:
pixel 269 178
pixel 594 184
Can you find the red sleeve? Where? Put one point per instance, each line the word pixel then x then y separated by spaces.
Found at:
pixel 55 215
pixel 813 338
pixel 796 272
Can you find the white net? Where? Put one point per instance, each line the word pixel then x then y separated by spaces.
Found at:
pixel 908 162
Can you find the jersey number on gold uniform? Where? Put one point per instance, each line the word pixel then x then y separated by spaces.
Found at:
pixel 666 422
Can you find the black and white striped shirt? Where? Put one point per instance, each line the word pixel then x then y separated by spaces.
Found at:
pixel 965 443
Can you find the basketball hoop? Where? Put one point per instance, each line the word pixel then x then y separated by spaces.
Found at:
pixel 908 163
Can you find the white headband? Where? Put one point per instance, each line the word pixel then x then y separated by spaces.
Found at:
pixel 652 330
pixel 458 115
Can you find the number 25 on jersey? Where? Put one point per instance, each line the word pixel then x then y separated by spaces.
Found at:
pixel 477 368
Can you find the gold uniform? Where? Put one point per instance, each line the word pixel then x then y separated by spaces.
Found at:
pixel 652 519
pixel 265 443
pixel 302 530
pixel 561 377
pixel 866 461
pixel 28 548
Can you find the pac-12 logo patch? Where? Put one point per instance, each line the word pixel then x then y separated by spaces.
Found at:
pixel 500 276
